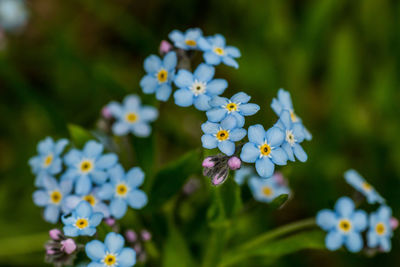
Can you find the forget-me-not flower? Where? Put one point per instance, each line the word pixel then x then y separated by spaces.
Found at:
pixel 111 253
pixel 13 14
pixel 216 51
pixel 344 225
pixel 198 88
pixel 92 198
pixel 237 107
pixel 52 197
pixel 242 174
pixel 82 221
pixel 222 135
pixel 123 190
pixel 160 74
pixel 187 40
pixel 132 117
pixel 48 161
pixel 266 190
pixel 264 149
pixel 88 166
pixel 380 232
pixel 353 178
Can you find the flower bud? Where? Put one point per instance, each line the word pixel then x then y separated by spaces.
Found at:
pixel 394 223
pixel 146 235
pixel 105 112
pixel 208 162
pixel 55 234
pixel 68 246
pixel 234 163
pixel 219 178
pixel 165 47
pixel 109 221
pixel 131 236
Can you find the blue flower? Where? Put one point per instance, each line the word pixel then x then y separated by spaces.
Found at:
pixel 110 253
pixel 264 149
pixel 222 135
pixel 354 179
pixel 187 40
pixel 266 190
pixel 48 162
pixel 132 117
pixel 242 174
pixel 237 106
pixel 344 225
pixel 87 166
pixel 52 197
pixel 13 14
pixel 123 190
pixel 380 232
pixel 92 198
pixel 198 88
pixel 284 102
pixel 160 75
pixel 82 221
pixel 294 135
pixel 216 51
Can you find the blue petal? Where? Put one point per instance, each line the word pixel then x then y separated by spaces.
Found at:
pixel 127 257
pixel 256 134
pixel 230 62
pixel 232 51
pixel 193 33
pixel 183 98
pixel 209 141
pixel 132 102
pixel 95 219
pixel 354 242
pixel 56 166
pixel 70 203
pixel 51 213
pixel 176 36
pixel 333 240
pixel 60 145
pixel 102 208
pixel 120 128
pixel 289 151
pixel 202 102
pixel 41 198
pixel 298 131
pixel 250 153
pixel 98 177
pixel 385 212
pixel 83 185
pixel 239 119
pixel 203 44
pixel 237 134
pixel 265 167
pixel 359 220
pixel 285 99
pixel 299 153
pixel 149 84
pixel 50 183
pixel 118 208
pixel 219 102
pixel 117 173
pixel 326 219
pixel 241 98
pixel 242 174
pixel 279 156
pixel 183 79
pixel 210 127
pixel 219 40
pixel 170 60
pixel 276 106
pixel 88 231
pixel 228 123
pixel 204 73
pixel 152 64
pixel 45 146
pixel 106 192
pixel 73 157
pixel 70 231
pixel 164 92
pixel 95 250
pixel 275 136
pixel 216 87
pixel 114 242
pixel 66 186
pixel 249 109
pixel 216 114
pixel 307 134
pixel 83 210
pixel 211 58
pixel 286 120
pixel 135 177
pixel 372 239
pixel 148 113
pixel 344 206
pixel 92 149
pixel 137 199
pixel 115 109
pixel 227 147
pixel 106 161
pixel 141 129
pixel 386 245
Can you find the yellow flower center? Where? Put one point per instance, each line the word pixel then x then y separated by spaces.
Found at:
pixel 162 76
pixel 91 199
pixel 366 186
pixel 219 51
pixel 48 160
pixel 131 117
pixel 345 225
pixel 110 260
pixel 82 223
pixel 190 42
pixel 265 150
pixel 232 107
pixel 380 228
pixel 55 197
pixel 267 191
pixel 293 116
pixel 222 135
pixel 121 190
pixel 86 166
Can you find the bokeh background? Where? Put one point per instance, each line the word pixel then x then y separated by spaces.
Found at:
pixel 339 59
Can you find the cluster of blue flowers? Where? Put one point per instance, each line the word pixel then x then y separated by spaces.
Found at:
pixel 345 224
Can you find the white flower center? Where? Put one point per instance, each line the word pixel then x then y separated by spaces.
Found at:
pixel 198 88
pixel 290 137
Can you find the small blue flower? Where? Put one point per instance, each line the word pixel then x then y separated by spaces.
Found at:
pixel 13 14
pixel 264 149
pixel 48 162
pixel 110 253
pixel 92 198
pixel 222 135
pixel 242 174
pixel 160 75
pixel 88 166
pixel 380 232
pixel 237 106
pixel 344 225
pixel 284 102
pixel 266 190
pixel 52 197
pixel 123 190
pixel 358 182
pixel 198 88
pixel 216 51
pixel 82 221
pixel 294 135
pixel 132 117
pixel 187 40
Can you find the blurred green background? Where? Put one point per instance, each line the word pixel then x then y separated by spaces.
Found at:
pixel 339 59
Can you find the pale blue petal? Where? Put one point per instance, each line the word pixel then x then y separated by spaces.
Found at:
pixel 60 145
pixel 276 106
pixel 239 118
pixel 176 36
pixel 210 127
pixel 66 186
pixel 103 208
pixel 241 98
pixel 299 153
pixel 211 58
pixel 386 244
pixel 120 128
pixel 219 40
pixel 204 73
pixel 298 131
pixel 216 87
pixel 193 33
pixel 114 242
pixel 45 146
pixel 117 173
pixel 135 177
pixel 203 44
pixel 152 64
pixel 70 203
pixel 98 177
pixel 265 167
pixel 127 257
pixel 95 219
pixel 249 109
pixel 183 79
pixel 83 185
pixel 50 183
pixel 286 120
pixel 73 157
pixel 372 239
pixel 237 134
pixel 92 149
pixel 68 220
pixel 279 156
pixel 95 250
pixel 132 102
pixel 289 151
pixel 183 98
pixel 106 161
pixel 344 206
pixel 219 102
pixel 41 198
pixel 230 62
pixel 141 129
pixel 216 114
pixel 170 61
pixel 56 166
pixel 228 123
pixel 106 192
pixel 164 92
pixel 88 231
pixel 51 213
pixel 359 220
pixel 209 141
pixel 137 199
pixel 115 109
pixel 275 136
pixel 70 231
pixel 326 219
pixel 118 208
pixel 250 153
pixel 385 212
pixel 307 134
pixel 333 240
pixel 227 147
pixel 354 242
pixel 256 134
pixel 285 99
pixel 148 113
pixel 83 210
pixel 202 102
pixel 242 174
pixel 232 51
pixel 149 85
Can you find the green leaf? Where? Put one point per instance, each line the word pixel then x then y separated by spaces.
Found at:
pixel 144 149
pixel 79 135
pixel 279 201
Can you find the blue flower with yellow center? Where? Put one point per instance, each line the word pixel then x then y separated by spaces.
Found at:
pixel 111 253
pixel 344 225
pixel 380 232
pixel 53 197
pixel 92 198
pixel 160 74
pixel 353 178
pixel 216 51
pixel 264 149
pixel 88 166
pixel 82 221
pixel 266 190
pixel 123 190
pixel 222 135
pixel 48 161
pixel 132 117
pixel 237 107
pixel 187 40
pixel 198 88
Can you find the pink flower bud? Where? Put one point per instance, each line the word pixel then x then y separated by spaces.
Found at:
pixel 55 234
pixel 105 112
pixel 131 236
pixel 218 179
pixel 137 248
pixel 50 252
pixel 146 235
pixel 68 246
pixel 234 163
pixel 394 223
pixel 165 47
pixel 110 221
pixel 279 178
pixel 208 163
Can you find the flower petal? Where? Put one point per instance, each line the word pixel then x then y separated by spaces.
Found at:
pixel 152 64
pixel 149 84
pixel 344 206
pixel 135 177
pixel 209 141
pixel 120 128
pixel 95 219
pixel 359 220
pixel 127 257
pixel 216 87
pixel 354 242
pixel 249 109
pixel 118 208
pixel 216 114
pixel 219 102
pixel 70 231
pixel 232 51
pixel 92 149
pixel 275 136
pixel 250 153
pixel 237 134
pixel 170 60
pixel 326 219
pixel 106 161
pixel 202 102
pixel 41 198
pixel 83 185
pixel 183 79
pixel 219 40
pixel 279 156
pixel 265 167
pixel 45 146
pixel 183 98
pixel 210 127
pixel 299 153
pixel 289 151
pixel 141 129
pixel 51 213
pixel 132 102
pixel 164 92
pixel 211 58
pixel 333 240
pixel 114 242
pixel 60 145
pixel 72 157
pixel 84 209
pixel 227 147
pixel 229 123
pixel 95 250
pixel 230 62
pixel 285 99
pixel 148 113
pixel 137 199
pixel 285 119
pixel 106 192
pixel 204 73
pixel 256 134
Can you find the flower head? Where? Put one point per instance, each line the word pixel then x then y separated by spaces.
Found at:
pixel 60 251
pixel 48 161
pixel 92 198
pixel 111 253
pixel 264 149
pixel 266 190
pixel 82 221
pixel 52 197
pixel 132 117
pixel 344 225
pixel 160 74
pixel 13 14
pixel 222 135
pixel 123 190
pixel 380 231
pixel 198 88
pixel 216 51
pixel 236 107
pixel 353 178
pixel 187 40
